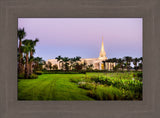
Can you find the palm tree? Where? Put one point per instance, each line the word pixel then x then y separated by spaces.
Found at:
pixel 74 62
pixel 135 62
pixel 59 58
pixel 49 65
pixel 26 49
pixel 37 63
pixel 21 34
pixel 78 66
pixel 55 67
pixel 42 64
pixel 128 60
pixel 140 65
pixel 121 62
pixel 71 63
pixel 77 58
pixel 66 60
pixel 32 44
pixel 84 64
pixel 90 67
pixel 141 59
pixel 114 60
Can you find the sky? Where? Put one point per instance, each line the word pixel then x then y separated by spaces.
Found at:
pixel 83 36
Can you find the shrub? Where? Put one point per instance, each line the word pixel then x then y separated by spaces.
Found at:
pixel 128 95
pixel 93 78
pixel 86 85
pixel 82 72
pixel 106 93
pixel 112 87
pixel 39 72
pixel 76 80
pixel 128 84
pixel 33 76
pixel 21 76
pixel 112 93
pixel 138 75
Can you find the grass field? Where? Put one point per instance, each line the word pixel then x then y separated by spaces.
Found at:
pixel 90 86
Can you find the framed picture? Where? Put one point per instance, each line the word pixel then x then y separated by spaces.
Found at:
pixel 19 99
pixel 63 62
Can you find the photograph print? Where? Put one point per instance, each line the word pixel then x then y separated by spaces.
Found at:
pixel 85 59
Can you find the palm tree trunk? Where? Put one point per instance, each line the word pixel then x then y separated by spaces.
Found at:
pixel 30 64
pixel 26 67
pixel 29 69
pixel 20 66
pixel 20 43
pixel 136 66
pixel 127 66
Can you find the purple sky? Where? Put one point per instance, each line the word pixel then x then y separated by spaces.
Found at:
pixel 83 36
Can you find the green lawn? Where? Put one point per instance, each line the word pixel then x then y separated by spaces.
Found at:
pixel 90 86
pixel 51 87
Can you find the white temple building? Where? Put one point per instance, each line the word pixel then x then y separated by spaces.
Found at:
pixel 96 62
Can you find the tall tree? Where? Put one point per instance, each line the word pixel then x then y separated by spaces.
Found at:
pixel 71 63
pixel 90 67
pixel 141 59
pixel 121 63
pixel 59 58
pixel 84 64
pixel 135 62
pixel 66 64
pixel 128 60
pixel 77 58
pixel 140 65
pixel 26 49
pixel 38 62
pixel 76 65
pixel 32 51
pixel 20 34
pixel 55 67
pixel 49 65
pixel 115 60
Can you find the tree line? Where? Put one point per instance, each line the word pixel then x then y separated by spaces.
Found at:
pixel 125 63
pixel 66 63
pixel 27 63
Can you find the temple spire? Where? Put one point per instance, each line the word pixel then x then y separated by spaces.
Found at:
pixel 102 46
pixel 102 54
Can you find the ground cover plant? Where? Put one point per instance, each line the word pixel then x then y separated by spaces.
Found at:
pixel 89 86
pixel 119 86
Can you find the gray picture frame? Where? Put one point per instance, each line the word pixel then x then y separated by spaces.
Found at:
pixel 11 10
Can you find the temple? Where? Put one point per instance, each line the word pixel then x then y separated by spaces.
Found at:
pixel 96 62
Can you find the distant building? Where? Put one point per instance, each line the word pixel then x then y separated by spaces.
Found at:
pixel 96 62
